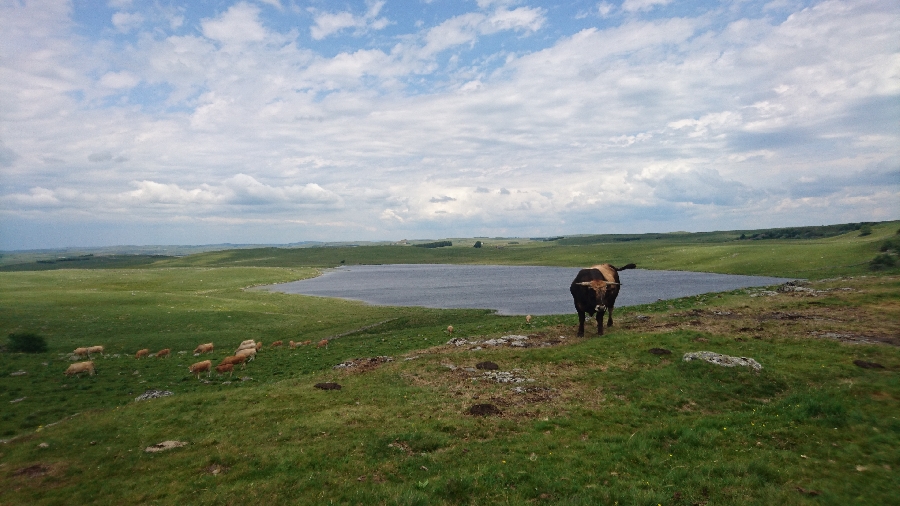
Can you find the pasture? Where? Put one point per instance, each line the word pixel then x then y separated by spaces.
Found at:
pixel 602 420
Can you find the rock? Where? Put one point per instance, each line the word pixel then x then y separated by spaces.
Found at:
pixel 18 373
pixel 327 386
pixel 642 317
pixel 43 445
pixel 722 360
pixel 165 445
pixel 152 394
pixel 507 377
pixel 868 365
pixel 659 351
pixel 487 366
pixel 20 399
pixel 458 341
pixel 484 410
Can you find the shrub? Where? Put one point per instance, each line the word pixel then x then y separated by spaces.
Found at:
pixel 865 230
pixel 886 246
pixel 882 262
pixel 27 342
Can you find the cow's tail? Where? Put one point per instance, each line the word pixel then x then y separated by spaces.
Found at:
pixel 629 266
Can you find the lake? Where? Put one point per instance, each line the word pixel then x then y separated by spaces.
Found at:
pixel 510 290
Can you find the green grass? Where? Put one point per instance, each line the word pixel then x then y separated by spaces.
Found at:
pixel 604 421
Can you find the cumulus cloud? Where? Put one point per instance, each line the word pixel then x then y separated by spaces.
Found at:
pixel 238 25
pixel 127 21
pixel 329 23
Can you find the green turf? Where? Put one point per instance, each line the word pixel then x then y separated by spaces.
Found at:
pixel 604 421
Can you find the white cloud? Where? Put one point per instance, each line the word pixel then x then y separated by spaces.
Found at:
pixel 127 21
pixel 642 5
pixel 238 25
pixel 329 23
pixel 119 80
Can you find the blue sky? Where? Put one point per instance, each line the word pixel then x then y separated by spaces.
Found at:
pixel 278 121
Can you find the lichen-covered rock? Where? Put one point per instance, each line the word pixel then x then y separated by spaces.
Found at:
pixel 722 360
pixel 152 394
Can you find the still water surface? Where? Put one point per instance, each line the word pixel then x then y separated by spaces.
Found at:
pixel 510 290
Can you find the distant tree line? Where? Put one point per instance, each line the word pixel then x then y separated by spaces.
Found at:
pixel 814 232
pixel 436 244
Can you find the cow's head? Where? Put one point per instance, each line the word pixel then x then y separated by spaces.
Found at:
pixel 599 287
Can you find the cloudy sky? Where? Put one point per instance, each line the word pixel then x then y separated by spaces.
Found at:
pixel 277 121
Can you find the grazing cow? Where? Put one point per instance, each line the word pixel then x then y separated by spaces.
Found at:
pixel 306 343
pixel 450 329
pixel 200 367
pixel 595 291
pixel 528 319
pixel 235 360
pixel 142 353
pixel 292 344
pixel 323 342
pixel 249 354
pixel 203 348
pixel 246 345
pixel 95 349
pixel 80 352
pixel 259 346
pixel 163 353
pixel 275 344
pixel 223 368
pixel 80 367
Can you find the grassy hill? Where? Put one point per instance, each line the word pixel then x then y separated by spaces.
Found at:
pixel 601 419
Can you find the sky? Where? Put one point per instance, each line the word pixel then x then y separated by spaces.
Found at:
pixel 282 121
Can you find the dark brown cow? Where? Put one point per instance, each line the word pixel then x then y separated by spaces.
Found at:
pixel 595 291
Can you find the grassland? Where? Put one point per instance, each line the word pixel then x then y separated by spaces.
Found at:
pixel 603 420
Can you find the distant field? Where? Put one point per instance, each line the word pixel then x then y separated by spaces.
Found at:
pixel 810 427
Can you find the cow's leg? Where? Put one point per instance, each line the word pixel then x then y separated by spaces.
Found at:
pixel 609 321
pixel 600 322
pixel 580 323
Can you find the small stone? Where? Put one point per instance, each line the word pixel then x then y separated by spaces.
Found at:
pixel 18 373
pixel 327 386
pixel 43 445
pixel 165 445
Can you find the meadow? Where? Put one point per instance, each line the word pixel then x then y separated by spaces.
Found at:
pixel 601 421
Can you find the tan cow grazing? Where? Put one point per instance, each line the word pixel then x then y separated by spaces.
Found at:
pixel 246 345
pixel 528 319
pixel 163 353
pixel 292 344
pixel 203 348
pixel 235 360
pixel 249 354
pixel 142 353
pixel 259 346
pixel 450 329
pixel 223 368
pixel 306 343
pixel 200 367
pixel 276 344
pixel 80 352
pixel 323 342
pixel 80 367
pixel 95 349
